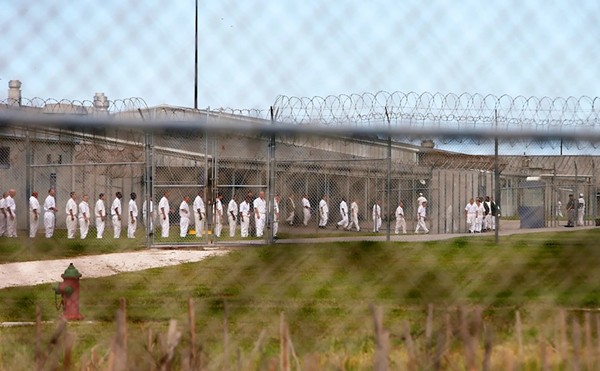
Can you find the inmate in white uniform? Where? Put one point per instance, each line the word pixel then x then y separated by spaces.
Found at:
pixel 34 216
pixel 344 214
pixel 199 215
pixel 184 218
pixel 163 214
pixel 49 210
pixel 260 214
pixel 100 213
pixel 11 217
pixel 245 218
pixel 400 221
pixel 3 216
pixel 71 221
pixel 376 217
pixel 275 217
pixel 471 212
pixel 132 218
pixel 323 213
pixel 421 215
pixel 479 217
pixel 84 218
pixel 116 211
pixel 232 211
pixel 353 216
pixel 305 210
pixel 218 217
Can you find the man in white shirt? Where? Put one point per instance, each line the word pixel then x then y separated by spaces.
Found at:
pixel 580 209
pixel 133 216
pixel 376 215
pixel 116 211
pixel 232 212
pixel 479 215
pixel 306 209
pixel 291 209
pixel 260 213
pixel 323 212
pixel 276 215
pixel 344 214
pixel 471 214
pixel 11 218
pixel 100 213
pixel 218 215
pixel 84 216
pixel 199 214
pixel 420 200
pixel 3 214
pixel 245 208
pixel 71 211
pixel 421 217
pixel 34 214
pixel 49 213
pixel 353 216
pixel 400 221
pixel 184 216
pixel 164 209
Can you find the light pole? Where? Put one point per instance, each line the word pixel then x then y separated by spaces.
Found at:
pixel 196 59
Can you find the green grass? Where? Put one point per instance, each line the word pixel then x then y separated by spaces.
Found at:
pixel 325 291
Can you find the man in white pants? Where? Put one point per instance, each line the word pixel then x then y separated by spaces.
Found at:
pixel 184 216
pixel 580 209
pixel 260 213
pixel 84 216
pixel 164 209
pixel 323 212
pixel 199 214
pixel 306 209
pixel 11 219
pixel 421 217
pixel 479 216
pixel 218 215
pixel 232 212
pixel 344 214
pixel 100 214
pixel 353 216
pixel 34 214
pixel 400 220
pixel 116 210
pixel 71 211
pixel 376 217
pixel 49 213
pixel 471 214
pixel 276 215
pixel 245 208
pixel 133 216
pixel 3 214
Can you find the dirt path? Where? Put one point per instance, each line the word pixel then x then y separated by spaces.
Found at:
pixel 49 271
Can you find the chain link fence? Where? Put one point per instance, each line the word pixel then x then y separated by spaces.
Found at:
pixel 334 171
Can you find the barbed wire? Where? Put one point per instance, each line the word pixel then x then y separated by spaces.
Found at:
pixel 74 106
pixel 463 110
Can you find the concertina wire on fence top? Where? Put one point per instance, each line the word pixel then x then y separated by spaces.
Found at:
pixel 399 108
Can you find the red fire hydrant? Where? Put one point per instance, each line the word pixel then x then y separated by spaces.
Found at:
pixel 69 292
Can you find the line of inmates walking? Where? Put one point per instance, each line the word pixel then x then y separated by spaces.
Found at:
pixel 480 214
pixel 81 215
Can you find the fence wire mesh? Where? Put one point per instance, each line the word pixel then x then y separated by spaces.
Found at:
pixel 325 181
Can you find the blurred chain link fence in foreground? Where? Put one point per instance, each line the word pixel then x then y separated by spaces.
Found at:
pixel 383 148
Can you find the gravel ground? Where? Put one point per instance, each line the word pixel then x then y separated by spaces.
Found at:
pixel 49 271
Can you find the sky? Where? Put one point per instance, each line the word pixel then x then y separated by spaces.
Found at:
pixel 250 52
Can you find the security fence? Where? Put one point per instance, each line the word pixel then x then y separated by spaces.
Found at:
pixel 386 149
